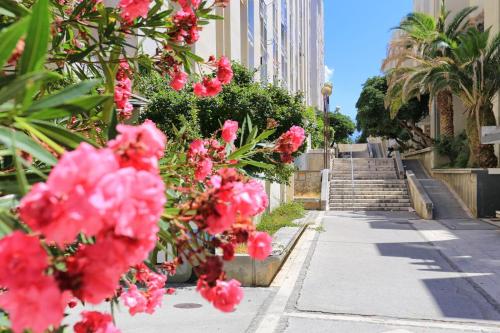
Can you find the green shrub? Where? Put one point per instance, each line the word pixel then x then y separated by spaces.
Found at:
pixel 241 98
pixel 282 216
pixel 455 148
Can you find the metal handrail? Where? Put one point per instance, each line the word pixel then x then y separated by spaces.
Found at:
pixel 352 180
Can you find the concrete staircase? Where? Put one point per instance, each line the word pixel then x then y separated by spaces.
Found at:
pixel 375 185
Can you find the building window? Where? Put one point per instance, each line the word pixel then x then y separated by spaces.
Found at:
pixel 284 41
pixel 263 41
pixel 275 44
pixel 250 20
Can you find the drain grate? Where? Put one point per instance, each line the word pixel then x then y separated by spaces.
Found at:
pixel 467 224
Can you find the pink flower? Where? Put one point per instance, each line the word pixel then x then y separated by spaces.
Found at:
pixel 250 198
pixel 62 207
pixel 208 88
pixel 132 9
pixel 126 112
pixel 185 4
pixel 179 80
pixel 95 322
pixel 229 131
pixel 199 90
pixel 97 275
pixel 197 147
pixel 222 216
pixel 214 86
pixel 226 295
pixel 132 200
pixel 23 260
pixel 259 245
pixel 290 142
pixel 224 70
pixel 139 301
pixel 123 91
pixel 134 300
pixel 203 169
pixel 185 26
pixel 36 306
pixel 140 146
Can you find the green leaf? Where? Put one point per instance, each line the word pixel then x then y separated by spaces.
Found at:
pixel 37 38
pixel 60 134
pixel 241 151
pixel 9 38
pixel 18 85
pixel 64 95
pixel 112 133
pixel 72 107
pixel 16 139
pixel 22 181
pixel 14 7
pixel 258 164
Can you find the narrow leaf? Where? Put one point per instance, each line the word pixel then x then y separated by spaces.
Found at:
pixel 16 139
pixel 37 39
pixel 9 38
pixel 64 95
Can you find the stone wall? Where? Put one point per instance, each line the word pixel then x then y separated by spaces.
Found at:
pixel 307 184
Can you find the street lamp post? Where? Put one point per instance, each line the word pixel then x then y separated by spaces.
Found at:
pixel 326 91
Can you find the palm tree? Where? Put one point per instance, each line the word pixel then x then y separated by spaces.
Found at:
pixel 471 71
pixel 423 36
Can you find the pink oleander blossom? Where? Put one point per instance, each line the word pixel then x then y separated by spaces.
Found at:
pixel 199 89
pixel 123 91
pixel 95 322
pixel 229 130
pixel 259 245
pixel 224 70
pixel 133 201
pixel 203 169
pixel 62 207
pixel 23 260
pixel 209 87
pixel 249 198
pixel 36 306
pixel 227 295
pixel 140 146
pixel 290 141
pixel 134 300
pixel 197 147
pixel 132 9
pixel 178 80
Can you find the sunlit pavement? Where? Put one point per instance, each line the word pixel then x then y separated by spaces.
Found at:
pixel 360 272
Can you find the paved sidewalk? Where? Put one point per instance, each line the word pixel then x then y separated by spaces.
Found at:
pixel 390 272
pixel 360 272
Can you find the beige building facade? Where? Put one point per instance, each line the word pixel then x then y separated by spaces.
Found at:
pixel 488 16
pixel 282 39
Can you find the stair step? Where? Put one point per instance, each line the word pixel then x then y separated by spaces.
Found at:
pixel 374 204
pixel 367 186
pixel 368 193
pixel 349 196
pixel 360 209
pixel 368 201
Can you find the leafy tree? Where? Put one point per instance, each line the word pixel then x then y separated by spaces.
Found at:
pixel 343 127
pixel 374 119
pixel 424 36
pixel 267 106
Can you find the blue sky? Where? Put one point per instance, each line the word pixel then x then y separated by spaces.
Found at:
pixel 356 36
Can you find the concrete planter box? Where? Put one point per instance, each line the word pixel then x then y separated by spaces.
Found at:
pixel 253 273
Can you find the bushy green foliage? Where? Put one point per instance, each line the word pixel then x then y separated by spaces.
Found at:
pixel 455 148
pixel 241 98
pixel 374 119
pixel 282 216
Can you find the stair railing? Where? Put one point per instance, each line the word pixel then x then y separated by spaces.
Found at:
pixel 352 180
